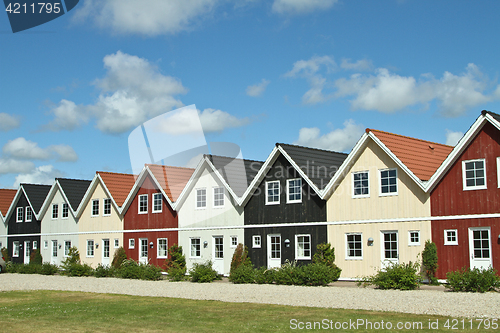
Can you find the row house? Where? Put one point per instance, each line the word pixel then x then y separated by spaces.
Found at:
pixel 6 197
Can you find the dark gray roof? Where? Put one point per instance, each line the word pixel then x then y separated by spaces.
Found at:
pixel 318 165
pixel 74 189
pixel 238 179
pixel 36 195
pixel 494 115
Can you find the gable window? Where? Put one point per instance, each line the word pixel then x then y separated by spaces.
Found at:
pixel 131 243
pixel 474 174
pixel 29 214
pixel 303 247
pixel 388 182
pixel 95 207
pixel 234 241
pixel 413 237
pixel 201 198
pixel 273 192
pixel 67 246
pixel 90 247
pixel 218 196
pixel 162 248
pixel 450 237
pixel 55 211
pixel 65 210
pixel 15 250
pixel 195 248
pixel 360 184
pixel 354 246
pixel 19 217
pixel 107 207
pixel 294 190
pixel 143 204
pixel 256 241
pixel 157 207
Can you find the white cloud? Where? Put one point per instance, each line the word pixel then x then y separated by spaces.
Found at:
pixel 9 165
pixel 216 120
pixel 66 153
pixel 154 17
pixel 257 89
pixel 341 139
pixel 23 149
pixel 8 122
pixel 301 6
pixel 452 138
pixel 67 116
pixel 44 174
pixel 360 65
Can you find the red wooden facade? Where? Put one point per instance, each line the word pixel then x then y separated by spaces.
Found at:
pixel 450 198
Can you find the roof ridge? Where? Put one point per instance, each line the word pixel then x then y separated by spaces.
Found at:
pixel 115 173
pixel 319 149
pixel 408 137
pixel 80 180
pixel 169 166
pixel 243 159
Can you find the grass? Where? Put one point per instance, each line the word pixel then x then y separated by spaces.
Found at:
pixel 44 311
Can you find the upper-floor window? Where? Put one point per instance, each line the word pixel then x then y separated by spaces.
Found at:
pixel 294 190
pixel 143 204
pixel 218 196
pixel 201 198
pixel 157 201
pixel 55 211
pixel 95 207
pixel 65 210
pixel 360 184
pixel 388 182
pixel 29 214
pixel 273 192
pixel 474 174
pixel 19 216
pixel 107 207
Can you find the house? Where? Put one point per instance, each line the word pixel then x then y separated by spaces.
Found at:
pixel 287 191
pixel 209 203
pixel 23 223
pixel 100 222
pixel 149 206
pixel 6 197
pixel 59 229
pixel 468 184
pixel 378 206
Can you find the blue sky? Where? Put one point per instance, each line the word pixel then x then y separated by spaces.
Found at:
pixel 308 72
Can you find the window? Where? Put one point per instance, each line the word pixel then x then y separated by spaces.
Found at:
pixel 157 207
pixel 234 241
pixel 107 207
pixel 294 190
pixel 55 211
pixel 256 241
pixel 29 214
pixel 65 210
pixel 273 192
pixel 354 246
pixel 117 243
pixel 474 174
pixel 45 245
pixel 388 182
pixel 450 237
pixel 218 196
pixel 131 243
pixel 67 246
pixel 95 207
pixel 19 217
pixel 360 184
pixel 414 237
pixel 54 248
pixel 303 247
pixel 201 198
pixel 35 245
pixel 90 247
pixel 162 248
pixel 195 248
pixel 105 248
pixel 219 247
pixel 15 250
pixel 143 204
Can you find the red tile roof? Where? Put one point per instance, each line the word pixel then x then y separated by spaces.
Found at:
pixel 171 179
pixel 119 184
pixel 6 197
pixel 420 156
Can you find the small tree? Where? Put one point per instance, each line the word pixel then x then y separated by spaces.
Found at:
pixel 430 261
pixel 119 257
pixel 72 259
pixel 240 257
pixel 325 254
pixel 36 257
pixel 176 258
pixel 5 254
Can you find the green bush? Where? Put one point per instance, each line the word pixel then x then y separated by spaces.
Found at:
pixel 45 268
pixel 289 273
pixel 264 275
pixel 175 265
pixel 177 274
pixel 77 269
pixel 203 272
pixel 36 257
pixel 317 274
pixel 48 269
pixel 396 276
pixel 132 270
pixel 240 257
pixel 430 261
pixel 28 268
pixel 325 254
pixel 104 271
pixel 119 257
pixel 242 274
pixel 474 280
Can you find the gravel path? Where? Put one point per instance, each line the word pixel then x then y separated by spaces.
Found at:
pixel 431 302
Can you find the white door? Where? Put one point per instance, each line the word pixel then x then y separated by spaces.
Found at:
pixel 105 252
pixel 143 250
pixel 53 255
pixel 273 251
pixel 480 248
pixel 27 252
pixel 218 254
pixel 390 250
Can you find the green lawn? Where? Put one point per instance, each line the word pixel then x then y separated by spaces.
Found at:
pixel 56 311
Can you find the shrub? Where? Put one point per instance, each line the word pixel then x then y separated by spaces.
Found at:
pixel 28 268
pixel 104 271
pixel 242 274
pixel 36 257
pixel 78 269
pixel 430 261
pixel 132 270
pixel 289 273
pixel 203 272
pixel 5 254
pixel 325 254
pixel 396 276
pixel 175 265
pixel 317 274
pixel 177 274
pixel 264 275
pixel 240 257
pixel 474 280
pixel 73 258
pixel 119 257
pixel 48 269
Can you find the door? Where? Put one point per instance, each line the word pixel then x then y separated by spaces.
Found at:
pixel 480 248
pixel 218 254
pixel 53 255
pixel 273 251
pixel 105 252
pixel 390 250
pixel 27 252
pixel 143 250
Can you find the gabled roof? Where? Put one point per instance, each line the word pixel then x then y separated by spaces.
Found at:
pixel 171 179
pixel 72 190
pixel 6 197
pixel 36 195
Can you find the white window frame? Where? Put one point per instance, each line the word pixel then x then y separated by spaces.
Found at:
pixel 55 211
pixel 347 255
pixel 26 210
pixel 218 199
pixel 117 243
pixel 54 248
pixel 195 249
pixel 131 243
pixel 90 254
pixel 35 245
pixel 106 202
pixel 154 198
pixel 380 183
pixel 19 210
pixel 256 244
pixel 288 181
pixel 410 242
pixel 140 201
pixel 46 244
pixel 354 195
pixel 158 255
pixel 201 196
pixel 232 243
pixel 65 209
pixel 446 241
pixel 94 202
pixel 267 192
pixel 480 187
pixel 66 248
pixel 304 257
pixel 15 249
